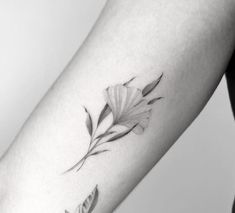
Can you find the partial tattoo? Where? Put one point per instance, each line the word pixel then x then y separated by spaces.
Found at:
pixel 89 204
pixel 131 109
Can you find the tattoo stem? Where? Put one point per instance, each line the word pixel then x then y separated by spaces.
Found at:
pixel 90 149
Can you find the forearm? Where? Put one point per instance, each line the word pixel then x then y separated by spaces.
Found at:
pixel 188 42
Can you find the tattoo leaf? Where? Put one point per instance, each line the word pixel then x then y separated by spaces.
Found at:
pixel 104 113
pixel 89 124
pixel 99 152
pixel 90 203
pixel 128 82
pixel 154 100
pixel 122 134
pixel 150 87
pixel 105 134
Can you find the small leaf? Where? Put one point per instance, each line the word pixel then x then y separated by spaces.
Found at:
pixel 128 82
pixel 154 100
pixel 105 134
pixel 104 113
pixel 90 203
pixel 99 152
pixel 89 124
pixel 122 134
pixel 150 87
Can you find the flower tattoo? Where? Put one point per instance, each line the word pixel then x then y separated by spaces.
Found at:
pixel 130 108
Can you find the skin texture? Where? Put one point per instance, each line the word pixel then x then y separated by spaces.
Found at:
pixel 189 41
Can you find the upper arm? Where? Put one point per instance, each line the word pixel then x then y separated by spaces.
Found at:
pixel 189 42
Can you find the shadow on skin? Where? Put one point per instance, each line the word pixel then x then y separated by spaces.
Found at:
pixel 230 76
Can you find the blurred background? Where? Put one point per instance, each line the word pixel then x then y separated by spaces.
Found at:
pixel 38 38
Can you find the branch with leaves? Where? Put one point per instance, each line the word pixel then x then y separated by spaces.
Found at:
pixel 130 108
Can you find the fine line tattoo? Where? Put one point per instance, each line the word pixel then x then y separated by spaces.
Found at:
pixel 130 108
pixel 88 204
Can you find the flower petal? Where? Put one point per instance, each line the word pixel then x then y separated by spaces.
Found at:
pixel 128 107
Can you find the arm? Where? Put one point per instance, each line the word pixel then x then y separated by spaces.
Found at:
pixel 188 42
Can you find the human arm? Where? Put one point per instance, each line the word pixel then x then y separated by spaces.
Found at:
pixel 190 43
